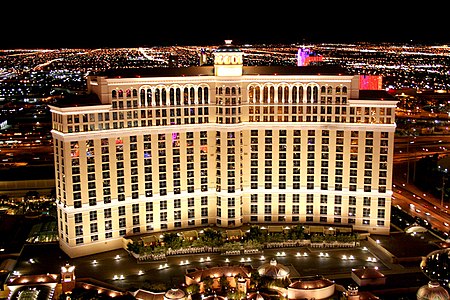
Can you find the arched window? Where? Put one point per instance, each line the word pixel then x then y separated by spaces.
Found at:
pixel 114 94
pixel 330 90
pixel 286 94
pixel 200 95
pixel 185 96
pixel 172 96
pixel 338 90
pixel 178 96
pixel 227 91
pixel 258 94
pixel 265 94
pixel 192 95
pixel 309 93
pixel 142 97
pixel 206 95
pixel 272 94
pixel 128 93
pixel 157 97
pixel 344 90
pixel 149 97
pixel 300 94
pixel 323 89
pixel 294 94
pixel 134 92
pixel 315 94
pixel 163 97
pixel 280 94
pixel 120 94
pixel 233 91
pixel 251 91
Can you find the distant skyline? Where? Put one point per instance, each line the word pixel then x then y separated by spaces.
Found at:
pixel 134 24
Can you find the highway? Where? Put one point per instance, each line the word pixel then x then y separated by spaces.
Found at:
pixel 406 195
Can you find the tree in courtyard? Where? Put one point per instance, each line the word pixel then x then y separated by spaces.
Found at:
pixel 255 233
pixel 224 283
pixel 208 284
pixel 172 240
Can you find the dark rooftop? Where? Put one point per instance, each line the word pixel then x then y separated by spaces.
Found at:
pixel 209 71
pixel 375 95
pixel 227 47
pixel 73 100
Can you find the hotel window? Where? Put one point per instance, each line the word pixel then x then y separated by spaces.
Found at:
pixel 253 209
pixel 79 230
pixel 177 203
pixel 204 212
pixel 267 209
pixel 351 212
pixel 149 218
pixel 78 218
pixel 163 204
pixel 381 214
pixel 92 215
pixel 121 210
pixel 108 225
pixel 366 212
pixel 352 200
pixel 163 216
pixel 254 198
pixel 107 213
pixel 381 202
pixel 94 227
pixel 337 210
pixel 309 209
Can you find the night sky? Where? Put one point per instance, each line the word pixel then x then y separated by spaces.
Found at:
pixel 92 24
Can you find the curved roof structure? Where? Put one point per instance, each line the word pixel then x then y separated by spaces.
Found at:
pixel 274 270
pixel 311 283
pixel 175 293
pixel 432 291
pixel 228 47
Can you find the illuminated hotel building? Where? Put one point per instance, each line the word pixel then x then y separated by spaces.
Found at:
pixel 159 149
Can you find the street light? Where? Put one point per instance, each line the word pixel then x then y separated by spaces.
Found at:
pixel 443 186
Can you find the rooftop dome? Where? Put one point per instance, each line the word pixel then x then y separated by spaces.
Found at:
pixel 258 296
pixel 310 283
pixel 432 291
pixel 274 270
pixel 214 297
pixel 174 293
pixel 228 47
pixel 434 265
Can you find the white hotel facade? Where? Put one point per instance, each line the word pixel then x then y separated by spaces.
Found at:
pixel 159 149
